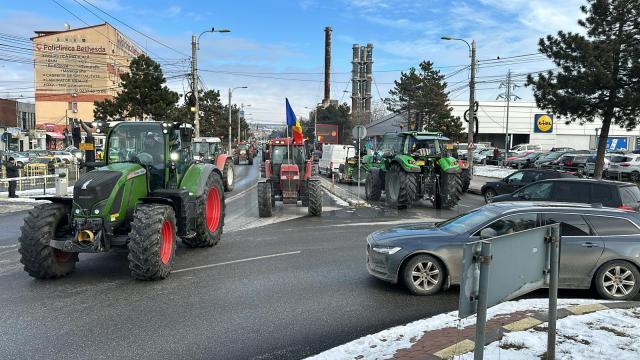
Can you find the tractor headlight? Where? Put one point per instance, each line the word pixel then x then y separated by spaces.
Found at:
pixel 96 211
pixel 174 156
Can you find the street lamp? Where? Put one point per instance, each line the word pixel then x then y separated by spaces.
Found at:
pixel 230 93
pixel 472 99
pixel 195 46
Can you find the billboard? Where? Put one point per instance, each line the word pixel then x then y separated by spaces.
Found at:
pixel 617 143
pixel 328 134
pixel 543 123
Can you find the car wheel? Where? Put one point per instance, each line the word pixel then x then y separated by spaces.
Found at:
pixel 424 275
pixel 618 280
pixel 489 194
pixel 635 176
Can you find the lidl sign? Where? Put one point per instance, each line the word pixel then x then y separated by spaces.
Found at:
pixel 543 123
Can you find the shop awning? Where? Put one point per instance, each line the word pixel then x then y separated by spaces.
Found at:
pixel 55 135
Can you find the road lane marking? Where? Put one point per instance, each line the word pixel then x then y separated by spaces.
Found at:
pixel 241 192
pixel 236 261
pixel 7 246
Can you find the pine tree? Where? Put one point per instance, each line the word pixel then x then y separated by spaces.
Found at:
pixel 598 74
pixel 424 91
pixel 143 93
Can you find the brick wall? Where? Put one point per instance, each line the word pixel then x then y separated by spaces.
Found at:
pixel 8 116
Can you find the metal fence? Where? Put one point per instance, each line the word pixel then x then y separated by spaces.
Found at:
pixel 41 177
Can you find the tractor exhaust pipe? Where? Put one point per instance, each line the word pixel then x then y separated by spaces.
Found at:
pixel 85 236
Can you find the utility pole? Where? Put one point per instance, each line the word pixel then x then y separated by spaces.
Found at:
pixel 472 112
pixel 507 96
pixel 194 82
pixel 230 91
pixel 241 113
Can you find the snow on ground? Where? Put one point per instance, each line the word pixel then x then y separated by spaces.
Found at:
pixel 492 171
pixel 387 342
pixel 607 334
pixel 338 200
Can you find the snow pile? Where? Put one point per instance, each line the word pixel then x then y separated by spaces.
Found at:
pixel 51 190
pixel 386 343
pixel 607 334
pixel 492 171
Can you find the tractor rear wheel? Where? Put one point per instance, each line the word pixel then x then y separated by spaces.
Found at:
pixel 314 193
pixel 465 177
pixel 229 175
pixel 448 190
pixel 41 225
pixel 209 214
pixel 372 186
pixel 264 199
pixel 400 187
pixel 152 242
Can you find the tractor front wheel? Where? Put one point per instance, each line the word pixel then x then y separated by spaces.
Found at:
pixel 229 175
pixel 314 192
pixel 209 214
pixel 152 242
pixel 41 225
pixel 465 177
pixel 448 190
pixel 400 187
pixel 264 199
pixel 372 186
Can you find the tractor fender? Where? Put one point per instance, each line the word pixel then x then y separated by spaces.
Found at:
pixel 307 171
pixel 57 199
pixel 267 169
pixel 449 165
pixel 221 160
pixel 194 179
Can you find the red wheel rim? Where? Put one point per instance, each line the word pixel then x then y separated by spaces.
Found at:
pixel 212 209
pixel 167 241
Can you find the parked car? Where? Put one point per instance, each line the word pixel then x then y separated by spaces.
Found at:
pixel 590 166
pixel 546 159
pixel 614 194
pixel 332 157
pixel 526 161
pixel 574 162
pixel 517 180
pixel 480 156
pixel 624 167
pixel 598 246
pixel 562 149
pixel 65 156
pixel 525 148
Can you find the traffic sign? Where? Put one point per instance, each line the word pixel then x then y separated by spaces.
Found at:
pixel 359 132
pixel 472 146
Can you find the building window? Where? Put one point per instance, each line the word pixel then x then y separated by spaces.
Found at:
pixel 84 40
pixel 72 106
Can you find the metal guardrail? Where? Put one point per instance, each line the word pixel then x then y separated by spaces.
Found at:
pixel 38 178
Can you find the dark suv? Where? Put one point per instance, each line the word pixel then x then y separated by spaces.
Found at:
pixel 519 179
pixel 613 194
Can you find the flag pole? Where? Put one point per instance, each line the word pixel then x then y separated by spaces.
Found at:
pixel 288 147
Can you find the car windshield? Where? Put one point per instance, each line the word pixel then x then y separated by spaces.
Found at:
pixel 279 154
pixel 128 141
pixel 532 156
pixel 620 158
pixel 467 221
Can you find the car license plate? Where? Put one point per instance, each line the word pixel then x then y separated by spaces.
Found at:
pixel 420 163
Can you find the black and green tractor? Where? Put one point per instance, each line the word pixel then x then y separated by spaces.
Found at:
pixel 148 193
pixel 411 166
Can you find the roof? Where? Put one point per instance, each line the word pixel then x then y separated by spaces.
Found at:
pixel 389 124
pixel 44 33
pixel 611 182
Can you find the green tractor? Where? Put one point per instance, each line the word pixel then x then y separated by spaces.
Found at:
pixel 410 166
pixel 148 193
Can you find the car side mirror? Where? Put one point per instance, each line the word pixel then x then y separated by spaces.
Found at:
pixel 524 196
pixel 487 233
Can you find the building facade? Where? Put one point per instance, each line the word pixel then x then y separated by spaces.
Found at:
pixel 75 67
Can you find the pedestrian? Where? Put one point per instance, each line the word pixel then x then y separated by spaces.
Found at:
pixel 12 172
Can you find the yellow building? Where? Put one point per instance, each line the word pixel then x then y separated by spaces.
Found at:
pixel 75 67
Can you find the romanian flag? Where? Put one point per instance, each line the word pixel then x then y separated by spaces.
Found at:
pixel 297 132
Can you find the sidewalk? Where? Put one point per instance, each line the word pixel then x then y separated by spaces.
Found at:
pixel 586 329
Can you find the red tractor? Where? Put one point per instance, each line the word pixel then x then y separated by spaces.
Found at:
pixel 288 179
pixel 210 150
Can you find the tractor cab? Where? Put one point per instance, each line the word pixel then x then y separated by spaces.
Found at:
pixel 206 148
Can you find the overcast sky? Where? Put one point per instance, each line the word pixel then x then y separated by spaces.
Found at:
pixel 276 48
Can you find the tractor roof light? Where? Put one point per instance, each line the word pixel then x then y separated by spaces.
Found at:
pixel 175 156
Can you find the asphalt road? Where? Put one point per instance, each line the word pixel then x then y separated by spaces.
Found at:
pixel 284 288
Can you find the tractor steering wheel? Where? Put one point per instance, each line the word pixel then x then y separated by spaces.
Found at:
pixel 145 158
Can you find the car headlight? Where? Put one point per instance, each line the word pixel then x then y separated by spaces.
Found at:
pixel 386 249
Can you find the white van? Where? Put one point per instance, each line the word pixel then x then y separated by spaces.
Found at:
pixel 332 157
pixel 522 149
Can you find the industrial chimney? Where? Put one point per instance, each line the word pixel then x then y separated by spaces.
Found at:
pixel 327 66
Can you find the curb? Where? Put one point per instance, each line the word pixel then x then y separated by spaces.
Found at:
pixel 447 343
pixel 342 194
